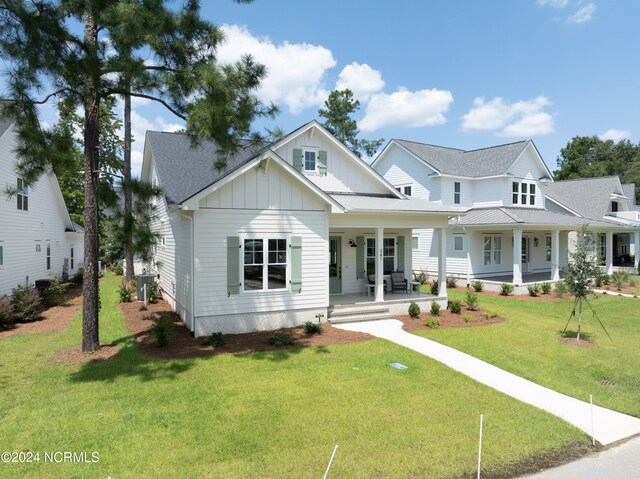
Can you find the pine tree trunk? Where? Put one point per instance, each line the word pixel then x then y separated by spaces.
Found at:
pixel 128 200
pixel 90 337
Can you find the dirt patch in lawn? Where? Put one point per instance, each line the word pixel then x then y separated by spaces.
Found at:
pixel 525 297
pixel 583 343
pixel 52 320
pixel 447 319
pixel 183 345
pixel 75 354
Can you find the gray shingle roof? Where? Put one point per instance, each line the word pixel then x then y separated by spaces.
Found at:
pixel 524 217
pixel 588 197
pixel 185 170
pixel 495 160
pixel 356 202
pixel 5 123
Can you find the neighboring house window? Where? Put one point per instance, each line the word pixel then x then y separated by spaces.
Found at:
pixel 614 206
pixel 48 256
pixel 71 255
pixel 523 193
pixel 547 249
pixel 404 189
pixel 532 194
pixel 22 195
pixel 515 188
pixel 265 272
pixel 456 193
pixel 492 250
pixel 415 243
pixel 458 243
pixel 310 161
pixel 1 254
pixel 38 247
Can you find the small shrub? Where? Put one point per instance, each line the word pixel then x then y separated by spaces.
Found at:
pixel 506 289
pixel 215 339
pixel 125 292
pixel 421 277
pixel 435 309
pixel 163 329
pixel 152 292
pixel 118 269
pixel 606 279
pixel 280 339
pixel 534 289
pixel 451 282
pixel 6 312
pixel 313 328
pixel 561 289
pixel 489 314
pixel 455 307
pixel 148 317
pixel 598 279
pixel 434 287
pixel 432 323
pixel 467 318
pixel 472 301
pixel 632 282
pixel 477 286
pixel 26 304
pixel 545 288
pixel 55 293
pixel 414 309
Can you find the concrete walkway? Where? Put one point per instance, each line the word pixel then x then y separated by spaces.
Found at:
pixel 608 426
pixel 618 462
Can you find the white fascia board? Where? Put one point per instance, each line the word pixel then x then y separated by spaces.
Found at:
pixel 473 178
pixel 395 143
pixel 193 203
pixel 563 206
pixel 367 168
pixel 62 205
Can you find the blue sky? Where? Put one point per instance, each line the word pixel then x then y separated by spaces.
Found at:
pixel 465 74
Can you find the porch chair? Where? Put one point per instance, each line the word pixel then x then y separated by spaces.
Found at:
pixel 399 282
pixel 371 279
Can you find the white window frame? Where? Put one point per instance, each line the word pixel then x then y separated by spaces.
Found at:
pixel 495 249
pixel 457 195
pixel 405 189
pixel 523 193
pixel 265 262
pixel 462 245
pixel 72 258
pixel 38 247
pixel 315 152
pixel 48 250
pixel 547 248
pixel 415 243
pixel 375 252
pixel 1 254
pixel 22 194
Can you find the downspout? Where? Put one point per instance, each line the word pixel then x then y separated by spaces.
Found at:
pixel 193 279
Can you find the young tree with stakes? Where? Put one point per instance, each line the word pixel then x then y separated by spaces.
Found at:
pixel 88 51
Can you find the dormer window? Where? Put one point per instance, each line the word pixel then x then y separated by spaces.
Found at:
pixel 310 161
pixel 523 193
pixel 456 193
pixel 614 207
pixel 406 190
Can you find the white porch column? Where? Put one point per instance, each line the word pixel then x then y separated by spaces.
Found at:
pixel 609 253
pixel 379 265
pixel 442 261
pixel 636 250
pixel 555 255
pixel 517 256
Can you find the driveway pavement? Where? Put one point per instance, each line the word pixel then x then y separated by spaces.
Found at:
pixel 608 426
pixel 621 462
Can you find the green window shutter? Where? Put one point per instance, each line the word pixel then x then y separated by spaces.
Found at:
pixel 400 265
pixel 359 256
pixel 322 162
pixel 296 264
pixel 298 163
pixel 233 265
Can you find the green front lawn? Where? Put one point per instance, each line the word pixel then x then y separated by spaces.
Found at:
pixel 265 415
pixel 527 344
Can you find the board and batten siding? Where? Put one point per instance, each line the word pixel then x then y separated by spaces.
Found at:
pixel 343 174
pixel 172 256
pixel 43 223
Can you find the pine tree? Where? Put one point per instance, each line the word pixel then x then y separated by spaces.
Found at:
pixel 140 48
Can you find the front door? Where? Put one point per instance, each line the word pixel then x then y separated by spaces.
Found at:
pixel 335 265
pixel 526 254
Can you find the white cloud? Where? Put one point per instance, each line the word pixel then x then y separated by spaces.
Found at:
pixel 295 72
pixel 553 3
pixel 522 118
pixel 361 79
pixel 615 135
pixel 407 109
pixel 583 14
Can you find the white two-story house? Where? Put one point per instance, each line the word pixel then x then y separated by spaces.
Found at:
pixel 38 240
pixel 507 233
pixel 283 233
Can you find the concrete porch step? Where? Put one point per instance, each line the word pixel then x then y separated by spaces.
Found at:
pixel 360 317
pixel 352 313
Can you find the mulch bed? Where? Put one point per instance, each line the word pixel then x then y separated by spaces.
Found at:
pixel 183 345
pixel 524 297
pixel 52 320
pixel 75 354
pixel 447 319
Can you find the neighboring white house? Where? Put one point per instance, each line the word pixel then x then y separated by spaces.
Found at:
pixel 38 240
pixel 508 234
pixel 285 232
